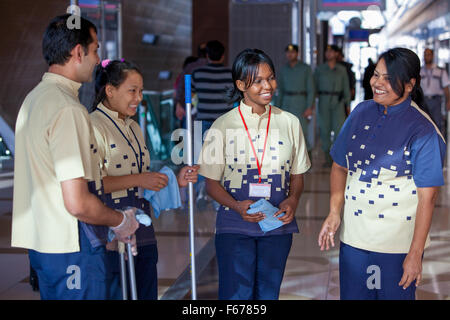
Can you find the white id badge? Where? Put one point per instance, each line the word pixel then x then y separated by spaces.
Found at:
pixel 261 190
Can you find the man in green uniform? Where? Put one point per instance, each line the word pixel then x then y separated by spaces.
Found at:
pixel 296 89
pixel 331 82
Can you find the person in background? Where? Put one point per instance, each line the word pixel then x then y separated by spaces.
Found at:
pixel 266 161
pixel 180 105
pixel 188 60
pixel 210 83
pixel 435 85
pixel 296 89
pixel 331 83
pixel 126 164
pixel 58 210
pixel 388 166
pixel 351 78
pixel 368 73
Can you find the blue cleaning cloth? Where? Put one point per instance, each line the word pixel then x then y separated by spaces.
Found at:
pixel 270 222
pixel 166 198
pixel 141 217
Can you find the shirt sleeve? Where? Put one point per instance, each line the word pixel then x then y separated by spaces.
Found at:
pixel 339 148
pixel 445 82
pixel 212 159
pixel 301 162
pixel 427 159
pixel 71 145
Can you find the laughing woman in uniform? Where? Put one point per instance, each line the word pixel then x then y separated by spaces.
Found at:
pixel 255 151
pixel 388 166
pixel 126 162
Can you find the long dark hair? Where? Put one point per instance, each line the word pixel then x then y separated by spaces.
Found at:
pixel 114 73
pixel 245 68
pixel 403 65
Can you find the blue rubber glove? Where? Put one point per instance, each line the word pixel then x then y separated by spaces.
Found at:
pixel 270 222
pixel 141 217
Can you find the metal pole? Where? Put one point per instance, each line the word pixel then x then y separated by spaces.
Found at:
pixel 123 271
pixel 119 32
pixel 103 29
pixel 187 85
pixel 132 273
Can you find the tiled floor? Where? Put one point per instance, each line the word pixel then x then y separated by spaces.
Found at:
pixel 310 273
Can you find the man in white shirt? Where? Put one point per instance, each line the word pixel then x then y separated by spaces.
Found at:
pixel 58 213
pixel 434 85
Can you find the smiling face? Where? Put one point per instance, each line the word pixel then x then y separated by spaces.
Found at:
pixel 383 93
pixel 260 92
pixel 126 97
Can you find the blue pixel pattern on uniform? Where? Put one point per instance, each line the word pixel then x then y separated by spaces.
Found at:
pixel 144 235
pixel 97 235
pixel 403 141
pixel 229 220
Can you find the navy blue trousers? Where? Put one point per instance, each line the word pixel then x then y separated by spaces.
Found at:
pixel 367 275
pixel 146 273
pixel 251 268
pixel 83 275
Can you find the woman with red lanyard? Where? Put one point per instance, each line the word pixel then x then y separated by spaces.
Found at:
pixel 255 151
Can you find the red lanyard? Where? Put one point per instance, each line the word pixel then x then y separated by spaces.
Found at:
pixel 259 165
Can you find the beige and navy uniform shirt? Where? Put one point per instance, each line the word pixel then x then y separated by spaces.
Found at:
pixel 118 158
pixel 227 157
pixel 54 143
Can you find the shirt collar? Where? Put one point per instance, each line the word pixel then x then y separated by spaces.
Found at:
pixel 396 108
pixel 71 85
pixel 247 111
pixel 114 115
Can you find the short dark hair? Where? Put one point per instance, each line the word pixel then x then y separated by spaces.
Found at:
pixel 245 68
pixel 59 40
pixel 333 47
pixel 215 50
pixel 291 47
pixel 114 73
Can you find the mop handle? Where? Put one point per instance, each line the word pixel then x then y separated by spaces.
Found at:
pixel 188 99
pixel 132 273
pixel 123 270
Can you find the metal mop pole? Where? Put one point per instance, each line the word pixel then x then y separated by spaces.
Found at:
pixel 132 273
pixel 123 271
pixel 187 86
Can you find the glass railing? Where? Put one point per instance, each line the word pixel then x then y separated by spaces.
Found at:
pixel 157 119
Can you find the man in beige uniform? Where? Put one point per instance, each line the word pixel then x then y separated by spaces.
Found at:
pixel 57 213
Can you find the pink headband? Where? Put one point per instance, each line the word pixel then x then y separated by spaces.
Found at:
pixel 105 62
pixel 108 61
